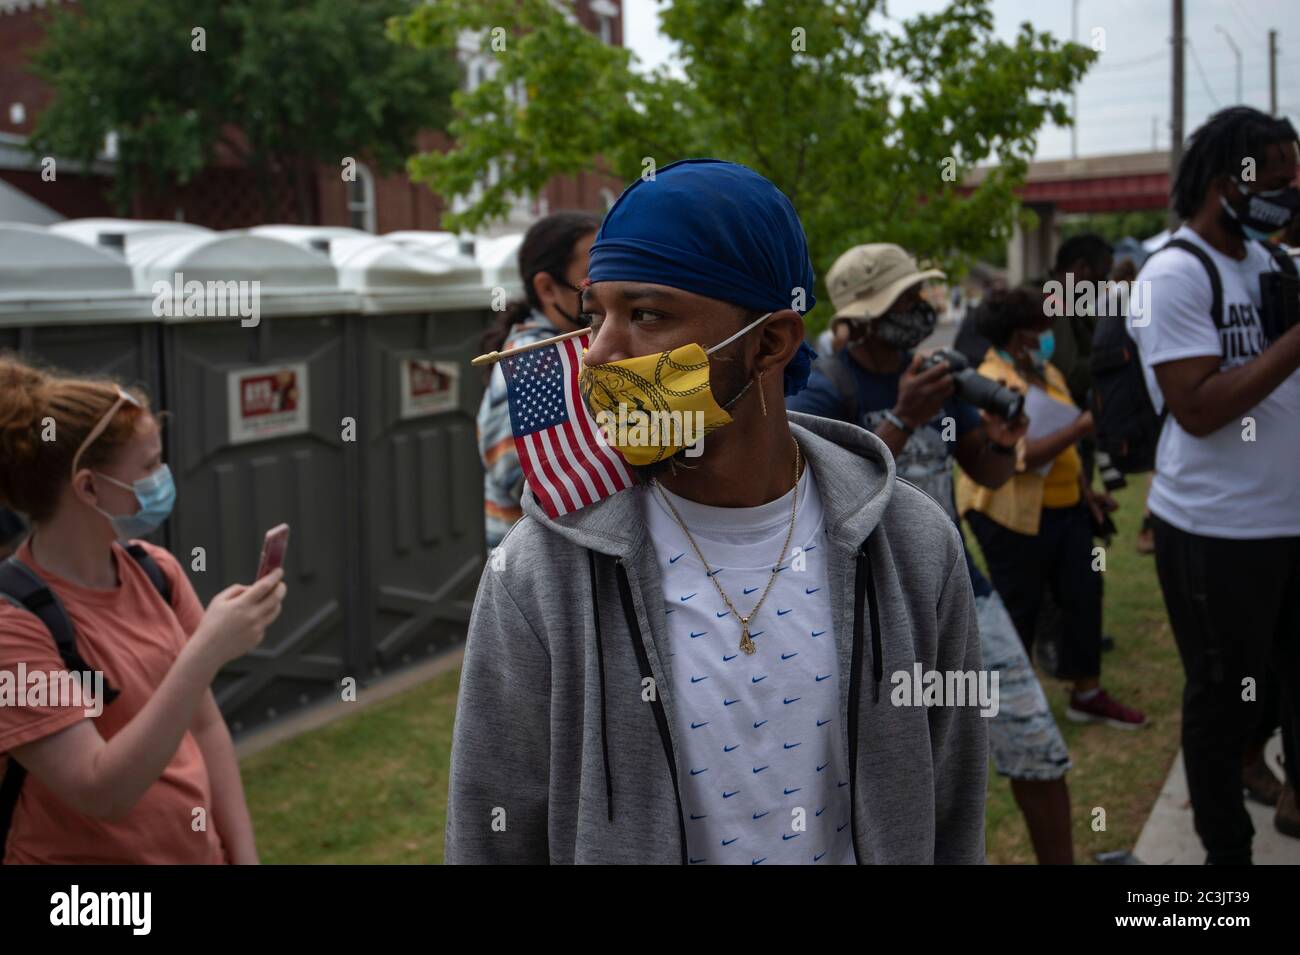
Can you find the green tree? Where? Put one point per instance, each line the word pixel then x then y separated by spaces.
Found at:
pixel 281 84
pixel 1113 226
pixel 868 124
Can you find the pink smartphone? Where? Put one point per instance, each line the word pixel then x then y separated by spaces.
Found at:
pixel 273 548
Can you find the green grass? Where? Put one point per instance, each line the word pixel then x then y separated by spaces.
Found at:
pixel 1119 771
pixel 372 788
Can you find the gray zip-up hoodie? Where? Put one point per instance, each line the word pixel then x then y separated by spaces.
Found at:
pixel 564 747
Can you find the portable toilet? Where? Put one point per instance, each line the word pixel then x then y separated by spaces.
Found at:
pixel 259 374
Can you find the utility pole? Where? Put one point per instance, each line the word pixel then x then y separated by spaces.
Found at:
pixel 1176 112
pixel 1074 109
pixel 1236 51
pixel 1272 72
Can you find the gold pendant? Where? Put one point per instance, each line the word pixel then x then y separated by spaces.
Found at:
pixel 746 644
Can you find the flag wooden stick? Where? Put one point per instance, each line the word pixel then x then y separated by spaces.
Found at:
pixel 493 357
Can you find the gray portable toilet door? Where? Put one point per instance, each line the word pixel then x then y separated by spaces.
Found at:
pixel 258 441
pixel 422 481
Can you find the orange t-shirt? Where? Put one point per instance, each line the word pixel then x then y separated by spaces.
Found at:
pixel 132 636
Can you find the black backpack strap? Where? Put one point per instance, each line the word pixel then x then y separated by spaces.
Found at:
pixel 839 376
pixel 1216 284
pixel 10 790
pixel 20 585
pixel 1284 262
pixel 151 568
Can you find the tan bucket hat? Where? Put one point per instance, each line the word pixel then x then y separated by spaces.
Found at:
pixel 866 279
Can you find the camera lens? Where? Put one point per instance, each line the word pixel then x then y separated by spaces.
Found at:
pixel 985 393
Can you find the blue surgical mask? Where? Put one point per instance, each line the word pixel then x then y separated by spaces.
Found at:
pixel 1039 356
pixel 156 494
pixel 1046 346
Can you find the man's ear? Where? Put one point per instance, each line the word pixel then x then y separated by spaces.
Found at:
pixel 782 334
pixel 546 287
pixel 1227 186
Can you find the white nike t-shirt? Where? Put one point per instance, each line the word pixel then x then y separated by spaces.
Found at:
pixel 1238 482
pixel 764 778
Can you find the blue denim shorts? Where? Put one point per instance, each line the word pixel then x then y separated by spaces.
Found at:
pixel 1023 736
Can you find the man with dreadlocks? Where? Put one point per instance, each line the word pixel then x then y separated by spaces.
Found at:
pixel 1225 502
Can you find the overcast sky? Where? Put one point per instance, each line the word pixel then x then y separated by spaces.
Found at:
pixel 1130 83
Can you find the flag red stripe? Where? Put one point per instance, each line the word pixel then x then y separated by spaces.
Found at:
pixel 537 454
pixel 536 480
pixel 584 440
pixel 579 468
pixel 556 441
pixel 542 455
pixel 583 458
pixel 611 464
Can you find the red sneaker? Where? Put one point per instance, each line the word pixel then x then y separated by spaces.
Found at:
pixel 1101 708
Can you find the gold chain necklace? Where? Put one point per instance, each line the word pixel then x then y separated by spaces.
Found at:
pixel 746 644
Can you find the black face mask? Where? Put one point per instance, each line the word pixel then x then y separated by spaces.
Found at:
pixel 1262 213
pixel 572 319
pixel 906 330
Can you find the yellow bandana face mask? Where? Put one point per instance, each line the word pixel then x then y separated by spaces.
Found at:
pixel 650 407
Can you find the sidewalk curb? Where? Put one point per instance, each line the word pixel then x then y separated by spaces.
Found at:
pixel 322 714
pixel 1169 836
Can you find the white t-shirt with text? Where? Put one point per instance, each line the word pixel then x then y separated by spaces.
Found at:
pixel 1239 482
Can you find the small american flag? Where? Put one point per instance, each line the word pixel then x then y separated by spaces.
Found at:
pixel 564 458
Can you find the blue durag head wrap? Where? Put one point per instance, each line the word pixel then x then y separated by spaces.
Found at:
pixel 714 228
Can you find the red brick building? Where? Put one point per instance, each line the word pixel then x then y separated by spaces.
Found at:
pixel 223 196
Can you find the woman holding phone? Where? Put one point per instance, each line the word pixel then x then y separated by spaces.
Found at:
pixel 152 776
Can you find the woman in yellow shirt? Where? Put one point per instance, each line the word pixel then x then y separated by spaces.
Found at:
pixel 1035 530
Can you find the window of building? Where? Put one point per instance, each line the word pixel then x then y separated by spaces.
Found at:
pixel 361 199
pixel 605 12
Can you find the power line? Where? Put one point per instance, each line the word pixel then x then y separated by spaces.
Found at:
pixel 1153 57
pixel 1247 25
pixel 1214 70
pixel 1197 60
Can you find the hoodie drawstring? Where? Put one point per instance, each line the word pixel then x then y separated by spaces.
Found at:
pixel 877 653
pixel 865 583
pixel 656 705
pixel 600 665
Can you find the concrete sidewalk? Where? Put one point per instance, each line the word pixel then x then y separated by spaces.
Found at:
pixel 1169 838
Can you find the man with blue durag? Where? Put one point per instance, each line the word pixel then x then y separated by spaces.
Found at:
pixel 764 652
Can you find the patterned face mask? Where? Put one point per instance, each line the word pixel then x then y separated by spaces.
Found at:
pixel 652 406
pixel 906 330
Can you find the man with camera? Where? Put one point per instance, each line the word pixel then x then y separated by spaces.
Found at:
pixel 927 410
pixel 1221 364
pixel 910 403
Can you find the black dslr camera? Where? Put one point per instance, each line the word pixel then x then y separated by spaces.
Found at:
pixel 975 389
